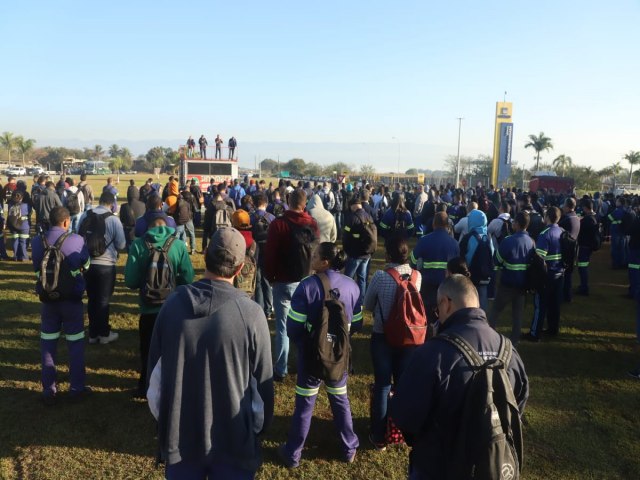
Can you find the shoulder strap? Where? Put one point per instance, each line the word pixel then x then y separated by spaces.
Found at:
pixel 326 285
pixel 506 349
pixel 60 240
pixel 468 352
pixel 394 274
pixel 168 242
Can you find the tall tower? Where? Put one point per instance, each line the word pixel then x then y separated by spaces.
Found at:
pixel 502 143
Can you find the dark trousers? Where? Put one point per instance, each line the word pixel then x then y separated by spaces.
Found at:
pixel 547 304
pixel 101 280
pixel 263 295
pixel 584 256
pixel 199 471
pixel 567 286
pixel 505 296
pixel 232 150
pixel 218 152
pixel 429 294
pixel 145 327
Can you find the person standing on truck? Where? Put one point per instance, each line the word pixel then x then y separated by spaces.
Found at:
pixel 203 146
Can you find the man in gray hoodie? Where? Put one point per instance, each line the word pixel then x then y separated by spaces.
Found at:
pixel 211 382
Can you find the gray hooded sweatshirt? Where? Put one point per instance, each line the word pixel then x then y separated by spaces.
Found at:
pixel 326 222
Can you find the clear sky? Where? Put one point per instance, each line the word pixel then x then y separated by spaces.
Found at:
pixel 326 81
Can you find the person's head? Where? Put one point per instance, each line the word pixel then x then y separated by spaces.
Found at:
pixel 222 188
pixel 50 185
pixel 521 222
pixel 505 207
pixel 471 206
pixel 60 217
pixel 225 253
pixel 397 202
pixel 107 199
pixel 240 220
pixel 327 256
pixel 83 177
pixel 455 293
pixel 109 181
pixel 587 205
pixel 458 265
pixel 553 215
pixel 260 200
pixel 569 205
pixel 158 222
pixel 477 220
pixel 297 200
pixel 132 182
pixel 16 196
pixel 440 220
pixel 397 249
pixel 154 203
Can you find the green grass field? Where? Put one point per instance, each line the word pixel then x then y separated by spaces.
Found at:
pixel 582 416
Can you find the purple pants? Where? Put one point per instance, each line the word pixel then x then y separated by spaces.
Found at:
pixel 55 317
pixel 307 388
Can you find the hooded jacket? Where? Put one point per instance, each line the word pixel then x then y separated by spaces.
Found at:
pixel 131 211
pixel 172 197
pixel 477 224
pixel 325 220
pixel 135 272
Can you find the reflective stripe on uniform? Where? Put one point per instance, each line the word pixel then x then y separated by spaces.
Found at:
pixel 633 266
pixel 75 337
pixel 306 392
pixel 542 253
pixel 442 265
pixel 356 235
pixel 551 258
pixel 336 390
pixel 49 336
pixel 23 235
pixel 586 264
pixel 413 258
pixel 384 225
pixel 357 317
pixel 75 273
pixel 410 226
pixel 515 267
pixel 296 316
pixel 347 228
pixel 86 265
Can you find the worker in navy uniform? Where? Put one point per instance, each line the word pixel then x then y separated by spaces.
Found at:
pixel 571 223
pixel 618 238
pixel 547 304
pixel 588 240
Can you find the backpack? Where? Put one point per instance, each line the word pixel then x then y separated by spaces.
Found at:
pixel 326 200
pixel 568 250
pixel 14 217
pixel 246 279
pixel 400 223
pixel 365 233
pixel 298 256
pixel 482 264
pixel 234 194
pixel 260 228
pixel 182 215
pixel 327 348
pixel 278 210
pixel 536 224
pixel 93 229
pixel 222 217
pixel 73 204
pixel 160 280
pixel 337 194
pixel 55 281
pixel 488 444
pixel 406 324
pixel 536 273
pixel 505 231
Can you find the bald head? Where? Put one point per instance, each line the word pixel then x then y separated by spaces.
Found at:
pixel 455 293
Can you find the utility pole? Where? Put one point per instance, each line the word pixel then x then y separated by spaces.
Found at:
pixel 458 162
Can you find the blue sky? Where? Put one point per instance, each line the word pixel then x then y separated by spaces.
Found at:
pixel 325 81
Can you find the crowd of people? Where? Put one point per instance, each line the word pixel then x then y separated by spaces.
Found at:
pixel 300 254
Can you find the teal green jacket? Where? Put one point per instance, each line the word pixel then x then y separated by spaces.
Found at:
pixel 135 271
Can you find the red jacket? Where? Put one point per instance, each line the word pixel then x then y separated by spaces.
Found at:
pixel 278 245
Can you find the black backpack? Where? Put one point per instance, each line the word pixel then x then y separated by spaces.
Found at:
pixel 160 280
pixel 14 217
pixel 482 263
pixel 73 204
pixel 182 214
pixel 260 228
pixel 93 229
pixel 55 281
pixel 488 444
pixel 568 250
pixel 298 256
pixel 327 348
pixel 365 233
pixel 536 224
pixel 278 210
pixel 400 224
pixel 536 273
pixel 505 231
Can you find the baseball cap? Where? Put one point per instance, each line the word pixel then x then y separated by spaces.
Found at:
pixel 240 219
pixel 230 241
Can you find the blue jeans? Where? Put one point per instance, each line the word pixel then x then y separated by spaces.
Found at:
pixel 196 471
pixel 264 295
pixel 181 234
pixel 337 216
pixel 388 362
pixel 282 293
pixel 74 222
pixel 192 235
pixel 358 269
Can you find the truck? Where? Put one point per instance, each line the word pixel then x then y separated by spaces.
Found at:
pixel 551 182
pixel 206 171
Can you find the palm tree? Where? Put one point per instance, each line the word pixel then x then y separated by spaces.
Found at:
pixel 98 152
pixel 114 151
pixel 615 170
pixel 24 147
pixel 563 162
pixel 539 144
pixel 8 142
pixel 634 159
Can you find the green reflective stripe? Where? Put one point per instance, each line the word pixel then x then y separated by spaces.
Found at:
pixel 336 390
pixel 442 265
pixel 516 267
pixel 384 225
pixel 75 273
pixel 633 266
pixel 24 218
pixel 551 258
pixel 356 235
pixel 347 228
pixel 75 337
pixel 86 265
pixel 49 336
pixel 414 260
pixel 616 222
pixel 297 316
pixel 544 231
pixel 357 317
pixel 610 217
pixel 411 226
pixel 23 235
pixel 306 392
pixel 542 253
pixel 38 274
pixel 586 264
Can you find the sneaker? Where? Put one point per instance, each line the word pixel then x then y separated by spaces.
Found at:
pixel 49 400
pixel 93 340
pixel 634 373
pixel 79 395
pixel 284 458
pixel 112 337
pixel 351 458
pixel 379 446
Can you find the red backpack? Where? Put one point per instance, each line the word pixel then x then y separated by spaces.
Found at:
pixel 406 325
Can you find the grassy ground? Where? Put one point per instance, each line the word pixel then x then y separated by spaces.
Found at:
pixel 582 417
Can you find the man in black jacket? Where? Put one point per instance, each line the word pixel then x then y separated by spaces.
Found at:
pixel 588 241
pixel 429 398
pixel 360 240
pixel 571 223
